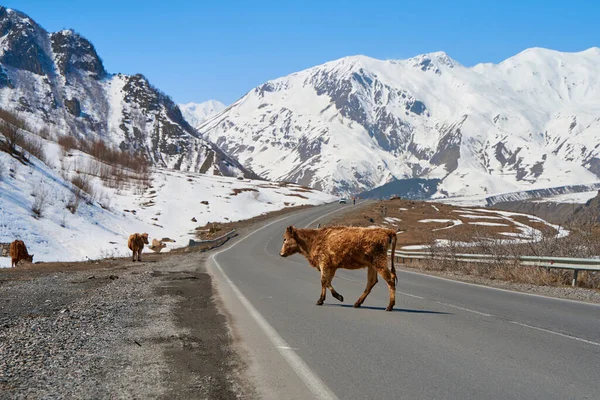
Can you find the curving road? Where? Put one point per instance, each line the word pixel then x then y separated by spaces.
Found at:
pixel 444 340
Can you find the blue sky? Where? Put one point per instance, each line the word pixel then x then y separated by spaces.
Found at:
pixel 199 50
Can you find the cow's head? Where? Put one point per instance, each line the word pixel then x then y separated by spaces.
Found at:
pixel 145 238
pixel 29 258
pixel 290 244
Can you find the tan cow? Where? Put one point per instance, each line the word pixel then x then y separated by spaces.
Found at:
pixel 328 249
pixel 158 245
pixel 18 252
pixel 136 244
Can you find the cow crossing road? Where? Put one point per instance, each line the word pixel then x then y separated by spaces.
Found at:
pixel 444 339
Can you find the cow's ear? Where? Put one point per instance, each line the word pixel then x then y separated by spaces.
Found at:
pixel 290 230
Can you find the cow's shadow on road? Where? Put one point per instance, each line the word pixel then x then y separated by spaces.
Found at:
pixel 403 310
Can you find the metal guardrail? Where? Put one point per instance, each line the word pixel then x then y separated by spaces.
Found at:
pixel 575 264
pixel 226 236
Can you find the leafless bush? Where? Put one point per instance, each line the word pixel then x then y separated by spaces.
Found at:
pixel 40 202
pixel 84 189
pixel 33 146
pixel 104 201
pixel 12 134
pixel 107 154
pixel 73 203
pixel 45 133
pixel 504 264
pixel 93 167
pixel 82 181
pixel 68 143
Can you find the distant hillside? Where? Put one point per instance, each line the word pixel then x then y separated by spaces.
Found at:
pixel 405 188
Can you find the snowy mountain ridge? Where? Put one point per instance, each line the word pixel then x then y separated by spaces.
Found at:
pixel 531 121
pixel 57 83
pixel 196 113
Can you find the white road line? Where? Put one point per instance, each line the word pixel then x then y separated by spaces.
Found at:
pixel 323 216
pixel 310 379
pixel 464 309
pixel 556 333
pixel 410 295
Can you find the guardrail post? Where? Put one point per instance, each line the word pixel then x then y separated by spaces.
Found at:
pixel 575 277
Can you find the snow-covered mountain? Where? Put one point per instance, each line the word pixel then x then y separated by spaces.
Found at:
pixel 532 121
pixel 196 113
pixel 57 82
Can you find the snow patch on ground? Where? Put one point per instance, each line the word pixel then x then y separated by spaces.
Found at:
pixel 100 228
pixel 475 216
pixel 391 220
pixel 487 223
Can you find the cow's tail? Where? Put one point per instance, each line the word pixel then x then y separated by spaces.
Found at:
pixel 393 239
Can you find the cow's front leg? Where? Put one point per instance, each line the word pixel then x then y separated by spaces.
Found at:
pixel 140 255
pixel 324 283
pixel 333 292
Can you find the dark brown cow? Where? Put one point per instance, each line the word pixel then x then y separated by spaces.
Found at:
pixel 136 244
pixel 328 249
pixel 18 252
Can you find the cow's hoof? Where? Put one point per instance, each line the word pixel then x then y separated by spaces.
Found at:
pixel 389 308
pixel 340 297
pixel 320 302
pixel 357 305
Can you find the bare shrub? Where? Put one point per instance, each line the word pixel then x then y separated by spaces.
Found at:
pixel 503 263
pixel 73 203
pixel 68 143
pixel 92 167
pixel 13 135
pixel 104 201
pixel 40 201
pixel 33 146
pixel 84 187
pixel 45 133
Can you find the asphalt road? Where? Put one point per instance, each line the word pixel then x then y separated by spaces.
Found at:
pixel 444 340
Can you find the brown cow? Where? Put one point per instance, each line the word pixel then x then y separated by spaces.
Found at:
pixel 136 244
pixel 18 252
pixel 328 249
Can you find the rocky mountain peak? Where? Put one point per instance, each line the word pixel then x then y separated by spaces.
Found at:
pixel 75 53
pixel 434 62
pixel 23 43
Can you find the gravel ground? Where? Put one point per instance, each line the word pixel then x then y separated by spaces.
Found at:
pixel 116 329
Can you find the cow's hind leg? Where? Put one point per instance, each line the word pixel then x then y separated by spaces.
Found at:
pixel 387 276
pixel 371 281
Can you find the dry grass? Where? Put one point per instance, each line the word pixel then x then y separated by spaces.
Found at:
pixel 580 243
